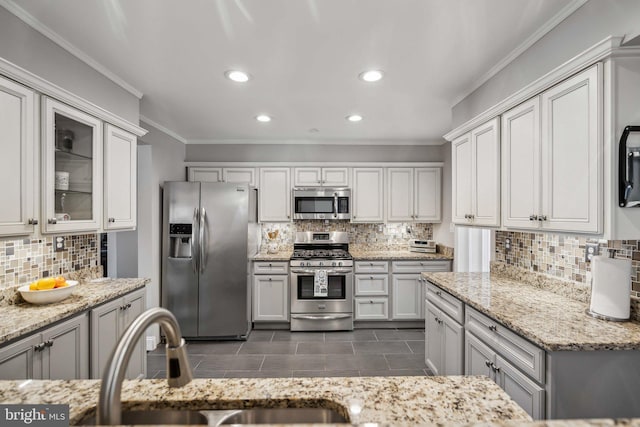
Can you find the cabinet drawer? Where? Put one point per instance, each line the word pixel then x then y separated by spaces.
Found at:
pixel 446 302
pixel 371 309
pixel 372 267
pixel 374 284
pixel 274 267
pixel 419 266
pixel 518 351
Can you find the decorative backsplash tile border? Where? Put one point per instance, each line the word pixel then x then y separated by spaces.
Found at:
pixel 563 255
pixel 393 236
pixel 25 260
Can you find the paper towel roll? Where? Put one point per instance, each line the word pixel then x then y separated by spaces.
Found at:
pixel 611 287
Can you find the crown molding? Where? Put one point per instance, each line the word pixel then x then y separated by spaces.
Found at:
pixel 163 129
pixel 315 164
pixel 606 48
pixel 34 23
pixel 530 41
pixel 313 142
pixel 45 87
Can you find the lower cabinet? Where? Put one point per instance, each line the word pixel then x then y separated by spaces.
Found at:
pixel 108 323
pixel 407 293
pixel 480 359
pixel 270 292
pixel 58 352
pixel 444 342
pixel 371 290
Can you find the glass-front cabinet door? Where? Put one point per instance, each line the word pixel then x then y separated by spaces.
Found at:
pixel 72 169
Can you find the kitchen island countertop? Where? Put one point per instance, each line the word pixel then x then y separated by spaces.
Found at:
pixel 550 320
pixel 20 319
pixel 392 400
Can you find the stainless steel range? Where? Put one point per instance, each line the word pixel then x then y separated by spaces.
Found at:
pixel 321 258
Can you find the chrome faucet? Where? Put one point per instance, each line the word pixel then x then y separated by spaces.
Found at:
pixel 178 368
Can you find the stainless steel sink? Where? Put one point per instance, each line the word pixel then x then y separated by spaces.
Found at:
pixel 283 416
pixel 158 417
pixel 228 417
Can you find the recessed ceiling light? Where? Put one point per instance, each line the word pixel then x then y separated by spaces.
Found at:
pixel 263 118
pixel 354 118
pixel 371 76
pixel 237 76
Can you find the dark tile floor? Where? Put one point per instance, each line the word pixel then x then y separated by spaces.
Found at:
pixel 363 352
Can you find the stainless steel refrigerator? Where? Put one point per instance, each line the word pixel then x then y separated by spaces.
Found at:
pixel 210 232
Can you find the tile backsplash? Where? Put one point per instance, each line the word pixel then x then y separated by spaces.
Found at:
pixel 374 236
pixel 563 255
pixel 25 260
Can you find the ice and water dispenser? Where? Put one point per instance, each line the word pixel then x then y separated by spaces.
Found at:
pixel 180 236
pixel 629 167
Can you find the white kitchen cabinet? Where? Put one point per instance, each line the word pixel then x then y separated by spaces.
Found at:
pixel 444 342
pixel 275 195
pixel 372 308
pixel 571 117
pixel 19 166
pixel 72 161
pixel 108 323
pixel 58 352
pixel 480 359
pixel 270 291
pixel 320 177
pixel 552 168
pixel 270 298
pixel 413 194
pixel 406 297
pixel 120 179
pixel 476 176
pixel 371 290
pixel 368 195
pixel 371 284
pixel 243 175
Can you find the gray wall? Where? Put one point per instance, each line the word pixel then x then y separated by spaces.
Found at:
pixel 312 153
pixel 593 22
pixel 27 48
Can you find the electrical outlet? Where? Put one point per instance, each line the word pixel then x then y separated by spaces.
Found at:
pixel 590 250
pixel 507 244
pixel 59 243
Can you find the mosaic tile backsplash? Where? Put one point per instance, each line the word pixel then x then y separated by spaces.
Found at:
pixel 562 255
pixel 375 236
pixel 25 260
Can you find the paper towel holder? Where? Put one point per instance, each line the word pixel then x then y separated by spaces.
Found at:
pixel 603 317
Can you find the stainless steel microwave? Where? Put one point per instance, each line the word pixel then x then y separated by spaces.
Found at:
pixel 321 203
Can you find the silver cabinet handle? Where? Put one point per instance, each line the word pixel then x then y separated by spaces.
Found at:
pixel 370 301
pixel 38 347
pixel 371 277
pixel 270 279
pixel 112 220
pixel 439 293
pixel 493 328
pixel 542 218
pixel 533 217
pixel 52 221
pixel 488 363
pixel 48 343
pixel 495 368
pixel 32 221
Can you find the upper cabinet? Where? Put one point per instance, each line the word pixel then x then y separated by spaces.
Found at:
pixel 19 160
pixel 320 177
pixel 275 195
pixel 72 169
pixel 476 176
pixel 414 194
pixel 120 184
pixel 552 173
pixel 368 195
pixel 244 175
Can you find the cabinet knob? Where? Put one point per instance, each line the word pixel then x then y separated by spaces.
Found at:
pixel 439 293
pixel 542 218
pixel 33 221
pixel 493 328
pixel 52 221
pixel 48 343
pixel 495 368
pixel 270 279
pixel 38 347
pixel 112 220
pixel 370 301
pixel 488 363
pixel 533 217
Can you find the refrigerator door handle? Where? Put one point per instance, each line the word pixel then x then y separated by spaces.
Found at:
pixel 194 246
pixel 203 243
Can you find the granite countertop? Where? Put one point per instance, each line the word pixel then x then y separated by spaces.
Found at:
pixel 22 318
pixel 396 255
pixel 550 320
pixel 278 256
pixel 392 400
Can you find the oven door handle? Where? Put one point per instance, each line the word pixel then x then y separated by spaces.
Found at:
pixel 347 271
pixel 321 316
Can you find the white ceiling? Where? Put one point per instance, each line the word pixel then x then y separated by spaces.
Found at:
pixel 304 56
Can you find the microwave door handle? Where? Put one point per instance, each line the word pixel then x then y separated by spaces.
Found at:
pixel 335 205
pixel 194 246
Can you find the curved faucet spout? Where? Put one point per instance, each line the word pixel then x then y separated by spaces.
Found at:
pixel 178 368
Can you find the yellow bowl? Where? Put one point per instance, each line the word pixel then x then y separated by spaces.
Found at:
pixel 47 296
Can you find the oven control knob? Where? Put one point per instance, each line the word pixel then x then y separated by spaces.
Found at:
pixel 333 264
pixel 340 263
pixel 321 263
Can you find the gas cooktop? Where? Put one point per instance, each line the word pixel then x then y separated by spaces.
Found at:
pixel 324 253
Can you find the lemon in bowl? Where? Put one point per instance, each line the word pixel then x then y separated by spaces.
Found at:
pixel 47 290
